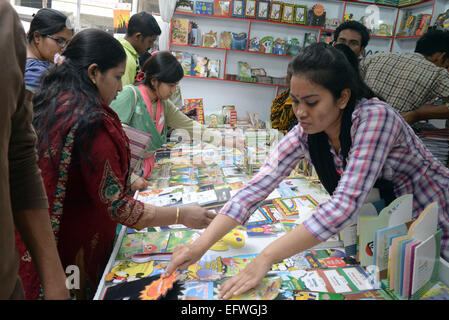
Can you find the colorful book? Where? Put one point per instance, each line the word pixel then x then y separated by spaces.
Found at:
pixel 336 280
pixel 424 272
pixel 213 68
pixel 180 31
pixel 398 212
pixel 199 66
pixel 293 206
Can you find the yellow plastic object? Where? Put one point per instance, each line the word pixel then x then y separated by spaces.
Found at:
pixel 234 239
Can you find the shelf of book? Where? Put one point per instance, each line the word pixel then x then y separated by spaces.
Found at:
pixel 238 81
pixel 232 50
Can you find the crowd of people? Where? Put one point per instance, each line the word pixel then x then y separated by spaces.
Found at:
pixel 65 173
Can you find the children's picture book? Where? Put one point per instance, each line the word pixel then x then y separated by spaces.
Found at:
pixel 381 246
pixel 423 239
pixel 181 237
pixel 207 269
pixel 180 31
pixel 199 66
pixel 213 170
pixel 155 287
pixel 184 5
pixel 378 294
pixel 398 212
pixel 234 265
pixel 265 214
pixel 198 290
pixel 321 259
pixel 213 68
pixel 309 295
pixel 336 280
pixel 171 198
pixel 158 288
pixel 195 104
pixel 439 291
pixel 143 243
pixel 293 206
pixel 204 7
pixel 126 270
pixel 267 289
pixel 222 8
pixel 263 230
pixel 202 198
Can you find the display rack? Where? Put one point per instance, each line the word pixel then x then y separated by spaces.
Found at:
pixel 276 64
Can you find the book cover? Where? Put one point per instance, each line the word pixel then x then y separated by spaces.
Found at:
pixel 381 246
pixel 195 104
pixel 408 268
pixel 426 264
pixel 199 66
pixel 293 206
pixel 222 8
pixel 336 280
pixel 213 68
pixel 265 214
pixel 392 256
pixel 198 290
pixel 186 63
pixel 181 237
pixel 180 31
pixel 398 212
pixel 155 242
pixel 204 7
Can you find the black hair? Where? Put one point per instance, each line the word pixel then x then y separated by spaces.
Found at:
pixel 349 54
pixel 47 22
pixel 356 26
pixel 144 23
pixel 164 67
pixel 69 84
pixel 328 67
pixel 433 41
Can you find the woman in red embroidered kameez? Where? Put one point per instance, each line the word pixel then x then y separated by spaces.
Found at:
pixel 84 158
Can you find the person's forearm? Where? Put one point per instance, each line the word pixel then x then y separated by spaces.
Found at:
pixel 157 216
pixel 221 225
pixel 295 241
pixel 436 112
pixel 36 232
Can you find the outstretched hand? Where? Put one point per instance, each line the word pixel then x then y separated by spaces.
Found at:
pixel 183 256
pixel 248 278
pixel 195 217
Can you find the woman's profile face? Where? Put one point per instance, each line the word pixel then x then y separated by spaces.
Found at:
pixel 314 106
pixel 109 83
pixel 51 44
pixel 164 90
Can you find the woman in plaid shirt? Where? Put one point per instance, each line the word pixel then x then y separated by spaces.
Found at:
pixel 342 129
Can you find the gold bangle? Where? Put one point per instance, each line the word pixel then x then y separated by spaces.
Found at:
pixel 177 215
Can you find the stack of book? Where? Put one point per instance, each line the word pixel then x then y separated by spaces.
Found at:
pixel 437 141
pixel 404 253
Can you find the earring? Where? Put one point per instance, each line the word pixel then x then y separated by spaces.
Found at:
pixel 93 81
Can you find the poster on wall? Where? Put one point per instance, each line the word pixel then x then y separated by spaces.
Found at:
pixel 122 12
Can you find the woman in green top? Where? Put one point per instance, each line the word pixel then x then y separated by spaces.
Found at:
pixel 146 107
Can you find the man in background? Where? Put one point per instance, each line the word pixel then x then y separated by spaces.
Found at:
pixel 353 34
pixel 142 32
pixel 23 201
pixel 408 80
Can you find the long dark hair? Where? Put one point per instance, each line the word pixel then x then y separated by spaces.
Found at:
pixel 164 67
pixel 69 84
pixel 47 22
pixel 328 67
